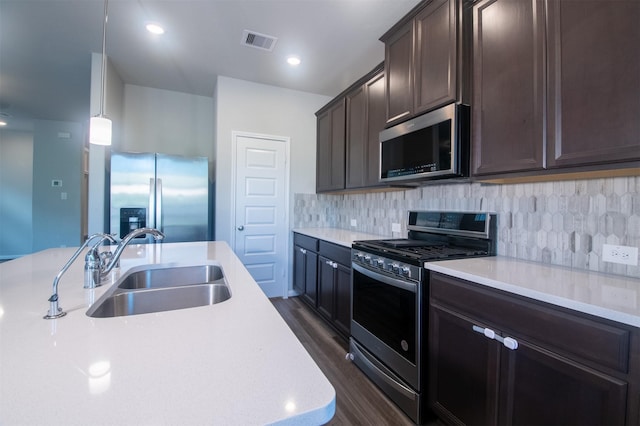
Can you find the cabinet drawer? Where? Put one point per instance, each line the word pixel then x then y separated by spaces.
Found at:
pixel 304 241
pixel 576 335
pixel 336 253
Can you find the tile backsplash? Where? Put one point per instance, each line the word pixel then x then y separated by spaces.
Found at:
pixel 562 223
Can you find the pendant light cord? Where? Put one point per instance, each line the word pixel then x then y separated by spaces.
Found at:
pixel 104 58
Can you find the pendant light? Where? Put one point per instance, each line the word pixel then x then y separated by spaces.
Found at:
pixel 99 125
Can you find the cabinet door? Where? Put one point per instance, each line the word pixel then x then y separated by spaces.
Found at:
pixel 311 278
pixel 299 269
pixel 508 76
pixel 435 56
pixel 326 283
pixel 376 119
pixel 356 137
pixel 541 388
pixel 331 148
pixel 323 152
pixel 463 370
pixel 594 82
pixel 342 313
pixel 398 69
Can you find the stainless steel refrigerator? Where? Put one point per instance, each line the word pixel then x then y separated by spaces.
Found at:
pixel 167 192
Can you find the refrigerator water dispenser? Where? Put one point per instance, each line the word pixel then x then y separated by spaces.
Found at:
pixel 132 218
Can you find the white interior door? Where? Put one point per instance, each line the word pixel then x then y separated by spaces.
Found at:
pixel 261 209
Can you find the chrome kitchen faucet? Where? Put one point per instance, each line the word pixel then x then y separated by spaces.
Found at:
pixel 55 311
pixel 97 265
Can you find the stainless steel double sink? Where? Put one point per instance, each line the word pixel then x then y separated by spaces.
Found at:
pixel 159 288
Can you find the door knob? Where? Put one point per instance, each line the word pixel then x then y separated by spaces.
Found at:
pixel 241 228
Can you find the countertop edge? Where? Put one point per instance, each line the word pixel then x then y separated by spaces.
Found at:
pixel 560 301
pixel 343 237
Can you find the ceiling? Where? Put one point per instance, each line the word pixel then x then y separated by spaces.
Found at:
pixel 46 45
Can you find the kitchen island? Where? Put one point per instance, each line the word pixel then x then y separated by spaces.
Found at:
pixel 235 362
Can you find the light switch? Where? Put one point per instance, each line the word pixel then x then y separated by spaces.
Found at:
pixel 63 195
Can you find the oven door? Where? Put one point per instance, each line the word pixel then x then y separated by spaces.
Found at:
pixel 386 320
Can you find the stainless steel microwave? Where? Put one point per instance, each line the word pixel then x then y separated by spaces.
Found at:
pixel 434 145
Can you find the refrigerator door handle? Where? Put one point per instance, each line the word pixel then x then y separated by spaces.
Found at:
pixel 152 205
pixel 159 205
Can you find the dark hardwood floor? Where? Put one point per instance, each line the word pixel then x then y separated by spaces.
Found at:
pixel 358 400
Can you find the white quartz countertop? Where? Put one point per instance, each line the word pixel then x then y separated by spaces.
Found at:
pixel 232 363
pixel 343 237
pixel 607 296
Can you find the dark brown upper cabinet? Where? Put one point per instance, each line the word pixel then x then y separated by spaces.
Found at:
pixel 356 137
pixel 376 119
pixel 435 55
pixel 594 82
pixel 348 148
pixel 555 87
pixel 508 91
pixel 398 68
pixel 421 60
pixel 330 160
pixel 365 120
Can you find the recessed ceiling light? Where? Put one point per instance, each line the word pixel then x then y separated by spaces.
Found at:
pixel 293 61
pixel 3 123
pixel 155 29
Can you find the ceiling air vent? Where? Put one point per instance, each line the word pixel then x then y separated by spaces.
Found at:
pixel 259 41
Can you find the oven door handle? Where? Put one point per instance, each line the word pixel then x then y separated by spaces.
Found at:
pixel 405 285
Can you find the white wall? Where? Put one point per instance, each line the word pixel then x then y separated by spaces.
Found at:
pixel 16 191
pixel 57 155
pixel 166 121
pixel 257 108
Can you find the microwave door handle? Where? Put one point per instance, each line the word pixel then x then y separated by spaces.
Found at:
pixel 404 285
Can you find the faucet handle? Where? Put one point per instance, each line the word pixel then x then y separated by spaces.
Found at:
pixel 96 262
pixel 105 258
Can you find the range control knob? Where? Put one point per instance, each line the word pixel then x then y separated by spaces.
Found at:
pixel 379 263
pixel 358 256
pixel 395 268
pixel 406 271
pixel 367 259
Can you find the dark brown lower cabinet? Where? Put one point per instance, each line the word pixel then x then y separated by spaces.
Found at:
pixel 569 393
pixel 482 371
pixel 322 277
pixel 463 368
pixel 305 267
pixel 334 286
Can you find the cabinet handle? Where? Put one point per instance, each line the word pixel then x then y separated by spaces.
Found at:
pixel 334 265
pixel 303 251
pixel 508 342
pixel 486 331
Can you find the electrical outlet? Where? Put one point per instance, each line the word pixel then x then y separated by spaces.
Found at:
pixel 395 227
pixel 620 254
pixel 354 223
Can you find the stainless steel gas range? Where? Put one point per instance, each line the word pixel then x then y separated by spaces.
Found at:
pixel 390 291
